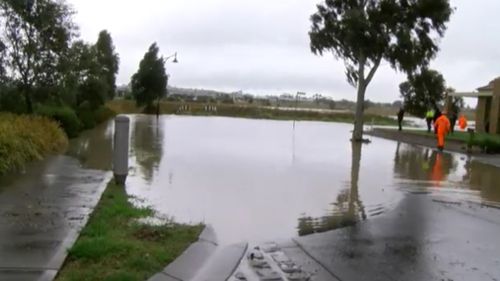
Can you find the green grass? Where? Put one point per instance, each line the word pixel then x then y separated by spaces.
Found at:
pixel 485 142
pixel 114 246
pixel 25 138
pixel 249 111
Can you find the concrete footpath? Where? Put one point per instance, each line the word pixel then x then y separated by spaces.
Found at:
pixel 41 213
pixel 424 238
pixel 411 138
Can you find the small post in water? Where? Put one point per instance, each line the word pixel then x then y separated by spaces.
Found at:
pixel 120 149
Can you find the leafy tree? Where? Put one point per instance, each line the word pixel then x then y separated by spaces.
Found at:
pixel 83 81
pixel 422 91
pixel 92 92
pixel 150 81
pixel 35 35
pixel 109 61
pixel 362 33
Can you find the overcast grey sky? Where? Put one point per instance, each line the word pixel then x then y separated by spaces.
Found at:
pixel 262 46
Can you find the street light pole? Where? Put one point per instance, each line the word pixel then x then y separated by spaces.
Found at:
pixel 296 105
pixel 174 56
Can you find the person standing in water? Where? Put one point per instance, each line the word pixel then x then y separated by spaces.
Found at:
pixel 442 128
pixel 401 115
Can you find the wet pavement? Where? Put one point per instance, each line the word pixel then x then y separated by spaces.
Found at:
pixel 425 238
pixel 41 211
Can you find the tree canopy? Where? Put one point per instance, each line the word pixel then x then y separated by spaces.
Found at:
pixel 150 81
pixel 423 91
pixel 109 61
pixel 363 33
pixel 35 35
pixel 45 70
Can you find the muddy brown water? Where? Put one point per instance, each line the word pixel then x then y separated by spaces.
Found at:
pixel 260 179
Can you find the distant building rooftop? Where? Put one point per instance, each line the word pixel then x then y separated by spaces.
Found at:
pixel 489 87
pixel 483 93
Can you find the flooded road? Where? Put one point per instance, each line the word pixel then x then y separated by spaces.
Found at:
pixel 259 179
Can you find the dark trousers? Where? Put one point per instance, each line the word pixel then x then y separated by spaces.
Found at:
pixel 453 122
pixel 429 123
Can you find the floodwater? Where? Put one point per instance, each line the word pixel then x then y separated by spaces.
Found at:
pixel 258 179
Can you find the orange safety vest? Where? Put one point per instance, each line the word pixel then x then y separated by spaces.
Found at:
pixel 442 125
pixel 462 122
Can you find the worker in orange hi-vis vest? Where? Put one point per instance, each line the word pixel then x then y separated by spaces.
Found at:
pixel 462 122
pixel 442 126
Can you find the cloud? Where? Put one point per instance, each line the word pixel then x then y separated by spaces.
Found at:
pixel 263 46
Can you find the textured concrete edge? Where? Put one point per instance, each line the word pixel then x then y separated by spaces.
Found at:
pixel 325 268
pixel 197 253
pixel 238 261
pixel 73 235
pixel 223 264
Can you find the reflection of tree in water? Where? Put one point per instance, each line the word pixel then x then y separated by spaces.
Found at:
pixel 424 164
pixel 345 211
pixel 146 145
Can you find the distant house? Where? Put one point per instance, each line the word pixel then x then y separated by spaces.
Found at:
pixel 287 97
pixel 488 106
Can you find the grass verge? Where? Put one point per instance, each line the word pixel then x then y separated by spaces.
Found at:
pixel 486 142
pixel 115 246
pixel 25 138
pixel 459 135
pixel 250 111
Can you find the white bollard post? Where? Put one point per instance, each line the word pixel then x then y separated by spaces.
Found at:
pixel 120 149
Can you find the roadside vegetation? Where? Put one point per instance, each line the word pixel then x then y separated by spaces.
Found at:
pixel 46 71
pixel 116 246
pixel 247 111
pixel 26 138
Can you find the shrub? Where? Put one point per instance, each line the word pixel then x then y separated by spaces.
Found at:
pixel 103 114
pixel 87 119
pixel 66 117
pixel 487 145
pixel 25 138
pixel 11 100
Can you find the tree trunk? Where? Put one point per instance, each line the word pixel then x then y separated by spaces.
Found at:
pixel 357 134
pixel 28 101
